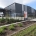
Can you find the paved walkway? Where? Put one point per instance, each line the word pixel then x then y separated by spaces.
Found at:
pixel 33 19
pixel 7 25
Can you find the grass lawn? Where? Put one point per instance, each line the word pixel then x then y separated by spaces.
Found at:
pixel 26 31
pixel 33 33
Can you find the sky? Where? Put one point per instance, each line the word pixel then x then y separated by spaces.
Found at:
pixel 5 3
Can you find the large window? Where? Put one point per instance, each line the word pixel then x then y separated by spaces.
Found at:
pixel 1 14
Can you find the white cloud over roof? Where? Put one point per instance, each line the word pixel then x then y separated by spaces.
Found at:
pixel 4 3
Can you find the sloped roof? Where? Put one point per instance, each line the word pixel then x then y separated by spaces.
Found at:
pixel 1 9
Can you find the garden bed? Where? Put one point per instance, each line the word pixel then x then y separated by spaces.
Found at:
pixel 32 33
pixel 7 31
pixel 8 21
pixel 26 31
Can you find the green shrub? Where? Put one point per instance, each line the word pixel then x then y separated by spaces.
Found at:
pixel 4 27
pixel 11 27
pixel 1 30
pixel 2 20
pixel 11 21
pixel 7 20
pixel 14 20
pixel 20 25
pixel 17 20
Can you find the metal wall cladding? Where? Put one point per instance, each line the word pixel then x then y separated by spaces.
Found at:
pixel 29 9
pixel 24 9
pixel 18 8
pixel 35 13
pixel 11 7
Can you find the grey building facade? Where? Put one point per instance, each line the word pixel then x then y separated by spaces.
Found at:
pixel 35 13
pixel 17 10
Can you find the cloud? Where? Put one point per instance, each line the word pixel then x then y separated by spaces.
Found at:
pixel 28 1
pixel 4 3
pixel 24 1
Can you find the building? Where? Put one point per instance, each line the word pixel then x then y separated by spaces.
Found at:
pixel 35 13
pixel 17 10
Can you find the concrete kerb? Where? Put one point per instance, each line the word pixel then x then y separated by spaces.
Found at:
pixel 10 24
pixel 7 25
pixel 14 23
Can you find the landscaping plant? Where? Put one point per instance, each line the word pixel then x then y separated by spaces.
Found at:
pixel 1 30
pixel 12 27
pixel 4 27
pixel 2 20
pixel 20 25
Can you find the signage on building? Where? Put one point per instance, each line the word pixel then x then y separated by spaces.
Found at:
pixel 25 14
